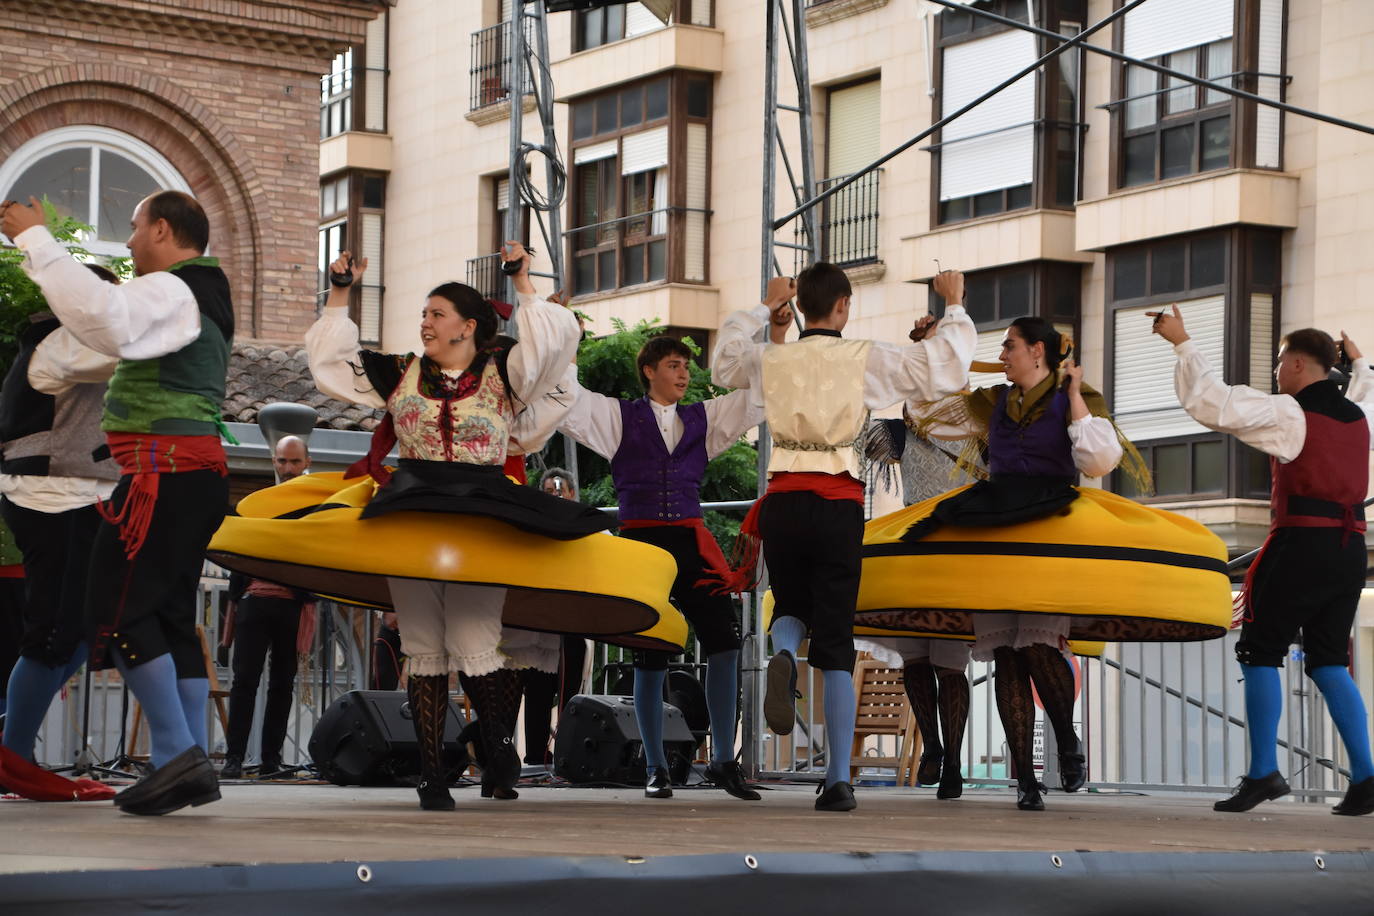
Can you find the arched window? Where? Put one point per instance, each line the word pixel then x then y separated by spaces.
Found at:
pixel 95 174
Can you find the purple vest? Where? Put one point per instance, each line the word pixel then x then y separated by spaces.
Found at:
pixel 1039 449
pixel 651 484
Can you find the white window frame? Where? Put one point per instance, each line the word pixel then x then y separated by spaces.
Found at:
pixel 92 137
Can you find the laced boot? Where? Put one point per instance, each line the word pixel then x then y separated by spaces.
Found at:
pixel 496 699
pixel 428 695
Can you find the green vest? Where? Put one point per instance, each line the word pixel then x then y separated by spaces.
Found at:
pixel 179 394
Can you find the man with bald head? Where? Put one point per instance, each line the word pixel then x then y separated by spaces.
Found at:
pixel 264 618
pixel 170 328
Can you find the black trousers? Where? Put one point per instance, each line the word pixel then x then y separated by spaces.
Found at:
pixel 262 626
pixel 1308 582
pixel 11 628
pixel 146 607
pixel 813 548
pixel 712 617
pixel 57 551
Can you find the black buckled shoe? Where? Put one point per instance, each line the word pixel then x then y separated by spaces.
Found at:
pixel 1073 770
pixel 658 785
pixel 780 695
pixel 929 769
pixel 1251 792
pixel 434 796
pixel 233 767
pixel 730 777
pixel 1028 796
pixel 839 797
pixel 187 779
pixel 1359 799
pixel 951 781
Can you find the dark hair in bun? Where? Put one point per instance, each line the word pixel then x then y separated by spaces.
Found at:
pixel 470 304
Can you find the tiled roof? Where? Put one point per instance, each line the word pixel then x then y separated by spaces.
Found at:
pixel 262 373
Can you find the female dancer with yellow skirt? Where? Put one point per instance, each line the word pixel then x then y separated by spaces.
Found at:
pixel 450 410
pixel 1040 435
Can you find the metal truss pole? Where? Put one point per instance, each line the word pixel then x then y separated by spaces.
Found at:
pixel 785 34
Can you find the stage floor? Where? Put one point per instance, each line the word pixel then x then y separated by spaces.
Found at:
pixel 294 823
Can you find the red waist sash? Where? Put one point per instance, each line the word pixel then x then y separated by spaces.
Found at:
pixel 145 458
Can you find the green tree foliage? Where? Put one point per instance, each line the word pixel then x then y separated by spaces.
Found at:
pixel 20 297
pixel 607 365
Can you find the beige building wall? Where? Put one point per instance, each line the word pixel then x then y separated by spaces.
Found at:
pixel 438 205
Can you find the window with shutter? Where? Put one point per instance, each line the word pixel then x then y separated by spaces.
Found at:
pixel 849 218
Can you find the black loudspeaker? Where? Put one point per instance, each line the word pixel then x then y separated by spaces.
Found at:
pixel 598 742
pixel 367 738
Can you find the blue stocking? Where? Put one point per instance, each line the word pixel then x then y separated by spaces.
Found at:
pixel 788 633
pixel 154 685
pixel 31 689
pixel 1263 706
pixel 1347 711
pixel 840 710
pixel 722 699
pixel 194 692
pixel 649 715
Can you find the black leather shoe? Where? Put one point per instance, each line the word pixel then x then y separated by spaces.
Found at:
pixel 1028 796
pixel 495 756
pixel 839 797
pixel 1253 791
pixel 951 781
pixel 1073 770
pixel 928 770
pixel 730 777
pixel 1359 799
pixel 187 779
pixel 233 767
pixel 270 766
pixel 658 785
pixel 780 696
pixel 434 796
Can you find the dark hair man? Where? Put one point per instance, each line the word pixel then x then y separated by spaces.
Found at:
pixel 1311 570
pixel 659 449
pixel 170 328
pixel 817 393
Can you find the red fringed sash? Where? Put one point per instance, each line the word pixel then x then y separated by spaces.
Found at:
pixel 146 458
pixel 744 558
pixel 719 573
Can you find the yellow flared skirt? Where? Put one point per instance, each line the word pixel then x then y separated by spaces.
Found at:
pixel 307 534
pixel 1122 571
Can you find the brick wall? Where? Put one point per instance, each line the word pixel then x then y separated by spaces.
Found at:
pixel 227 91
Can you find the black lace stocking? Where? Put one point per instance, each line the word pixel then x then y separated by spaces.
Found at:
pixel 954 703
pixel 428 697
pixel 496 700
pixel 919 680
pixel 1054 682
pixel 1016 707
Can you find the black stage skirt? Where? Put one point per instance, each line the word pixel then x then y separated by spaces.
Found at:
pixel 1006 499
pixel 485 490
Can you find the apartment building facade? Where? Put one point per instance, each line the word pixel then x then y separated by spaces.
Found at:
pixel 1089 192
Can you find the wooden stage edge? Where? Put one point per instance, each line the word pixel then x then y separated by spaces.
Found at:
pixel 312 823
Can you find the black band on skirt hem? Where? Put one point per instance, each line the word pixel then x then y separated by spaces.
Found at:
pixel 484 490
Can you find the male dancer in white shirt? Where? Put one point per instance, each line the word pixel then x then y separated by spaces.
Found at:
pixel 1311 570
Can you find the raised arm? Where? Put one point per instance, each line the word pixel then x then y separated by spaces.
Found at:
pixel 1361 388
pixel 332 345
pixel 730 416
pixel 1272 423
pixel 931 367
pixel 147 317
pixel 737 361
pixel 61 361
pixel 593 419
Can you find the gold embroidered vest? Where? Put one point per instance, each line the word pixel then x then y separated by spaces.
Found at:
pixel 480 422
pixel 813 393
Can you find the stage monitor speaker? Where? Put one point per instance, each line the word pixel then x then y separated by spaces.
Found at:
pixel 367 738
pixel 598 742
